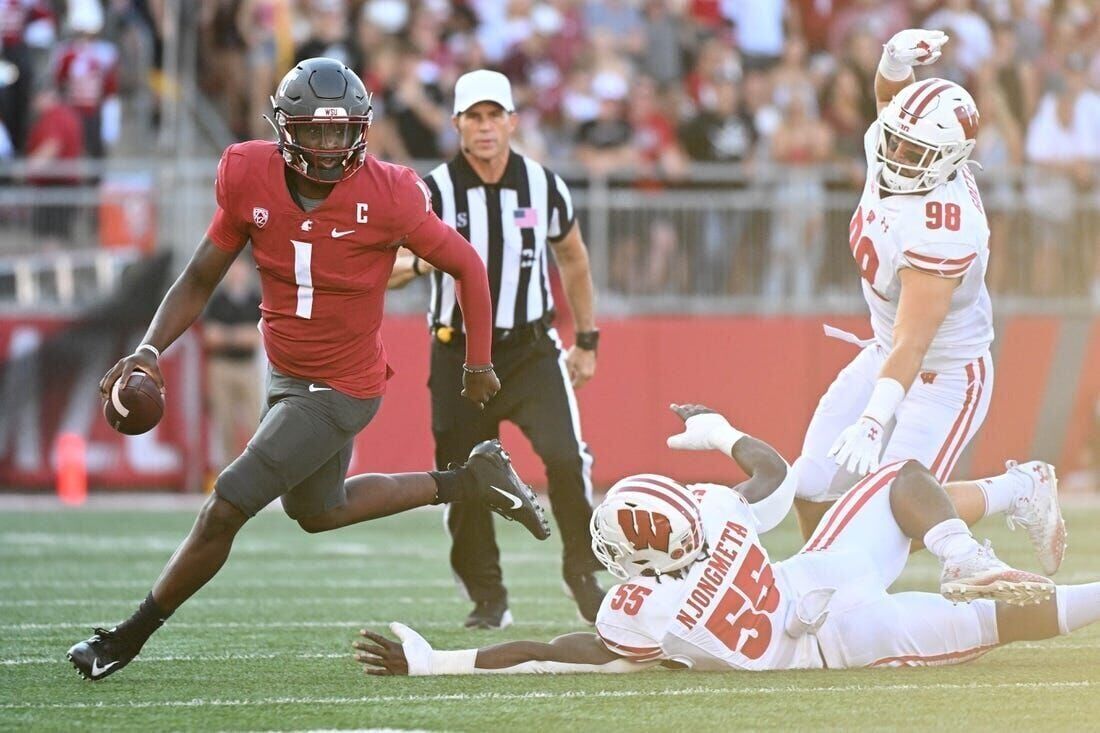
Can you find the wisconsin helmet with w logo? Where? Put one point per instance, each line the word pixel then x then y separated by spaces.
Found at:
pixel 647 525
pixel 926 133
pixel 322 113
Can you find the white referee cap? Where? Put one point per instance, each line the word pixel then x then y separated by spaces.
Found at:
pixel 483 86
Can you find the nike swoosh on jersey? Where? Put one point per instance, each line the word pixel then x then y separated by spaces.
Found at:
pixel 337 234
pixel 516 503
pixel 97 670
pixel 315 388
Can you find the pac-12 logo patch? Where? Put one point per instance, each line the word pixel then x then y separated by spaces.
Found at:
pixel 259 216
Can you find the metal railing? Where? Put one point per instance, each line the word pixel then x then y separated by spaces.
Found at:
pixel 725 238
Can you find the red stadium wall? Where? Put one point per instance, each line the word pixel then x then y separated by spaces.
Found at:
pixel 765 373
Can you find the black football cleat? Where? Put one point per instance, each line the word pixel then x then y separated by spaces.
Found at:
pixel 586 591
pixel 102 655
pixel 500 488
pixel 491 615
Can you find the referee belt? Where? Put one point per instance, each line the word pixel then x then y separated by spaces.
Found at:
pixel 527 333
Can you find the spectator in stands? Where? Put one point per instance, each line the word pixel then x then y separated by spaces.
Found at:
pixel 619 21
pixel 232 338
pixel 1014 75
pixel 758 28
pixel 1062 141
pixel 86 71
pixel 1000 150
pixel 328 32
pixel 56 138
pixel 25 25
pixel 414 104
pixel 969 31
pixel 800 144
pixel 262 24
pixel 223 28
pixel 665 40
pixel 722 132
pixel 606 143
pixel 879 19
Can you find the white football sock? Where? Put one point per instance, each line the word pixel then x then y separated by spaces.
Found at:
pixel 1001 492
pixel 951 541
pixel 1078 606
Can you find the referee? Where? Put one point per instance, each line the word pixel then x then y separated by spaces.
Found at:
pixel 512 210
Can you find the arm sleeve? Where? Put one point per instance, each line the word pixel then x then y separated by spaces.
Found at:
pixel 412 203
pixel 445 249
pixel 628 643
pixel 227 230
pixel 773 508
pixel 561 209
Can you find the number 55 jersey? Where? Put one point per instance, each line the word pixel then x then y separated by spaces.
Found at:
pixel 943 232
pixel 728 609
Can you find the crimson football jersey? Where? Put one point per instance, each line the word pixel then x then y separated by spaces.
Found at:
pixel 323 273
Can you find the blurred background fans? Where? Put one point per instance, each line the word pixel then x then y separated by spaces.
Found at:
pixel 714 148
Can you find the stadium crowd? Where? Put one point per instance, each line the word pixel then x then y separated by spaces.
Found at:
pixel 646 92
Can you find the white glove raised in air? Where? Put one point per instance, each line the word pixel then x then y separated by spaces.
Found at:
pixel 706 431
pixel 909 48
pixel 418 652
pixel 858 448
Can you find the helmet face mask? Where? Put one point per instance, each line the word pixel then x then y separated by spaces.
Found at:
pixel 926 133
pixel 648 525
pixel 322 113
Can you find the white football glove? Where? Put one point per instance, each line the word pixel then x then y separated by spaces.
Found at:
pixel 909 48
pixel 709 431
pixel 418 652
pixel 858 448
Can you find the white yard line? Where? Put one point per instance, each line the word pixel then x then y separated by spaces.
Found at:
pixel 569 695
pixel 354 624
pixel 23 661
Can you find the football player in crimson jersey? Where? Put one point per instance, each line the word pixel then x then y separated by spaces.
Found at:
pixel 920 387
pixel 325 221
pixel 699 589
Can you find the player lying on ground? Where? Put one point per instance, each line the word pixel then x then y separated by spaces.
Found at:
pixel 699 590
pixel 324 220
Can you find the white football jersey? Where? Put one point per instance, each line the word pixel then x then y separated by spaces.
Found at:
pixel 943 232
pixel 728 611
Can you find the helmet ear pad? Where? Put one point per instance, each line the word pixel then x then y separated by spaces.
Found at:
pixel 322 91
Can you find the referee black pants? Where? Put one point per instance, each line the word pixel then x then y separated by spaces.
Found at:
pixel 537 397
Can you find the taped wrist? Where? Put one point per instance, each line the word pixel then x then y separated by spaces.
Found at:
pixel 885 398
pixel 892 69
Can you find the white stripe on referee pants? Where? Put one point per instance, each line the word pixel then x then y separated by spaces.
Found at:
pixel 575 417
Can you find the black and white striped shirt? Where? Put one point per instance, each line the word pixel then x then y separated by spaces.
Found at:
pixel 509 224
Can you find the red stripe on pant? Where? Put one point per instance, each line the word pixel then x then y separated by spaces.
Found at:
pixel 851 503
pixel 941 467
pixel 915 660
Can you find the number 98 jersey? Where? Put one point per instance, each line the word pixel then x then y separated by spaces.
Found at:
pixel 728 611
pixel 943 232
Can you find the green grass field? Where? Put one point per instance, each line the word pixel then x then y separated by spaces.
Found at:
pixel 266 646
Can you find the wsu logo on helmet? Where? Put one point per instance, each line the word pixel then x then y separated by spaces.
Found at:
pixel 646 530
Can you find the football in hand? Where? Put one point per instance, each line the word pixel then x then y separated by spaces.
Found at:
pixel 135 407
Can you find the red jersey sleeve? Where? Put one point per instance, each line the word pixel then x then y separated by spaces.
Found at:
pixel 445 249
pixel 412 203
pixel 228 230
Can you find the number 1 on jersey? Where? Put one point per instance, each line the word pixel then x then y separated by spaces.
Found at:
pixel 303 277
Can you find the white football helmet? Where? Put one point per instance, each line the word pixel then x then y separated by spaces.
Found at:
pixel 647 525
pixel 926 133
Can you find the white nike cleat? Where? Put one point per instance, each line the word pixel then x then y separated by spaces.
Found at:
pixel 982 575
pixel 1040 513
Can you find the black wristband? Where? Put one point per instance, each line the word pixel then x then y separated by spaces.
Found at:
pixel 416 266
pixel 588 340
